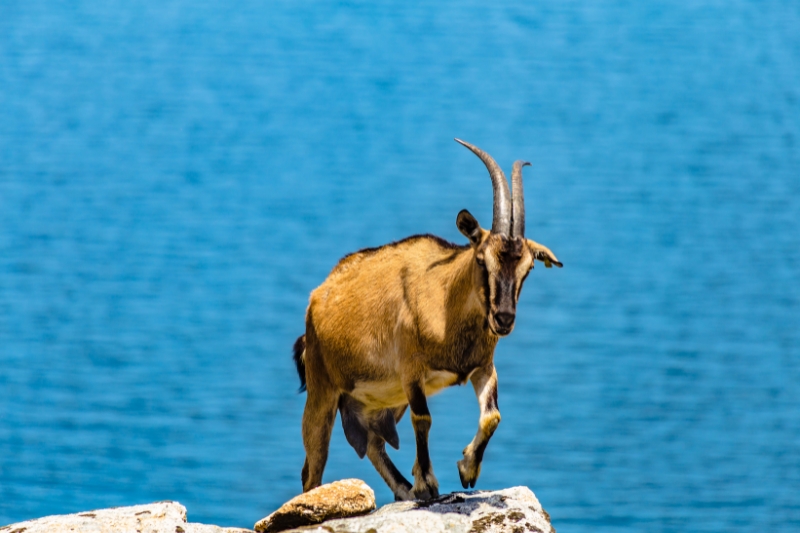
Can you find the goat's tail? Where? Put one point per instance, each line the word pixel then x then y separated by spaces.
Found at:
pixel 299 357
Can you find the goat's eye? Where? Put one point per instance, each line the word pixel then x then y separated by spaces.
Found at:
pixel 480 261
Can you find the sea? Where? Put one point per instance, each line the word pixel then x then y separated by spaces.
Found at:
pixel 176 177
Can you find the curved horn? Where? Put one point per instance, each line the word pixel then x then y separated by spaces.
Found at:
pixel 501 217
pixel 518 196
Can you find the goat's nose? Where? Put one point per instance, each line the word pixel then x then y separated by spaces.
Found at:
pixel 504 320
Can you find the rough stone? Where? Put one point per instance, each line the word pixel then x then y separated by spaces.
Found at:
pixel 348 497
pixel 161 517
pixel 514 510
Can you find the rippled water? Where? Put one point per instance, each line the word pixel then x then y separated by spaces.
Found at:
pixel 176 178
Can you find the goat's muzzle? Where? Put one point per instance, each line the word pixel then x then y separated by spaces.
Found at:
pixel 504 323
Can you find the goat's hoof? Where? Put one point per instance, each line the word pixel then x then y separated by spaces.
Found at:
pixel 426 488
pixel 426 493
pixel 468 471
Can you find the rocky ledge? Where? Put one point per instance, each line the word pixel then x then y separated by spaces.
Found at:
pixel 161 517
pixel 327 509
pixel 514 510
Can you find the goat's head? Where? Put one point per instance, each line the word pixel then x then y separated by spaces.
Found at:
pixel 502 257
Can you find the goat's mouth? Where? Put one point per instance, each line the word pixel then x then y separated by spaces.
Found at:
pixel 500 330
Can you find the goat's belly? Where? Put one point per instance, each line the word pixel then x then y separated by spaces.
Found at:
pixel 383 394
pixel 380 394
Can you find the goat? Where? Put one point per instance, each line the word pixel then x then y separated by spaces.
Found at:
pixel 395 324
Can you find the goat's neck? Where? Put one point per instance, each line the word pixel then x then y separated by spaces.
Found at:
pixel 467 341
pixel 466 289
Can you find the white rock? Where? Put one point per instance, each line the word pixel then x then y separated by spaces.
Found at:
pixel 161 517
pixel 514 510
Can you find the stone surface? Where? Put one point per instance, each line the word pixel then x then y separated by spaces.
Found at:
pixel 161 517
pixel 514 510
pixel 348 497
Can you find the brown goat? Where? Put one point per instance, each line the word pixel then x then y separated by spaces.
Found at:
pixel 395 324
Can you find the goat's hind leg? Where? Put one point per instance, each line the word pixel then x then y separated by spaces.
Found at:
pixel 382 430
pixel 376 451
pixel 318 419
pixel 368 432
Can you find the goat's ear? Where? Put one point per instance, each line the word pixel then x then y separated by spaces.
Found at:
pixel 543 254
pixel 468 225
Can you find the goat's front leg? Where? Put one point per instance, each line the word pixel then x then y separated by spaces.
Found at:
pixel 425 484
pixel 484 380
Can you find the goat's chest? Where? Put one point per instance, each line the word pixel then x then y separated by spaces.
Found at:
pixel 458 360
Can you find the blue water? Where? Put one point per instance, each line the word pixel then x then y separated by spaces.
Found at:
pixel 176 177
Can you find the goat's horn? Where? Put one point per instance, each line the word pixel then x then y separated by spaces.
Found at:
pixel 518 198
pixel 501 217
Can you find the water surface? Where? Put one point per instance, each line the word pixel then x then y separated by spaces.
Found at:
pixel 175 178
